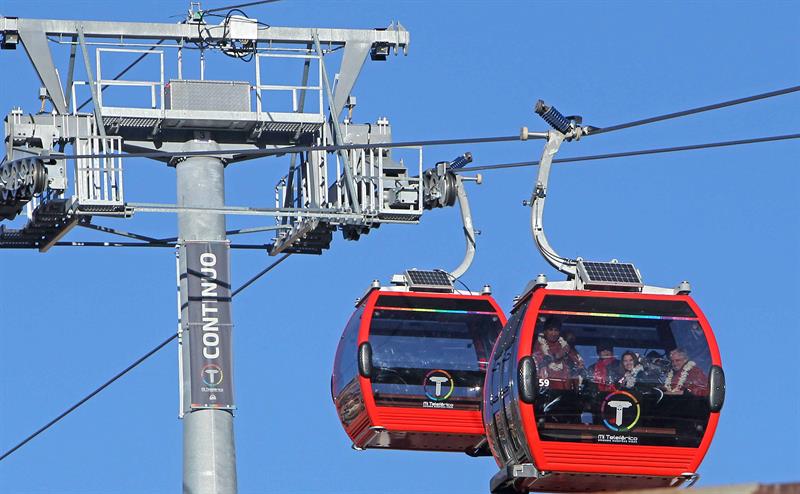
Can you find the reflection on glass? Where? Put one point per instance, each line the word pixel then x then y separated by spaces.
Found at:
pixel 345 389
pixel 431 357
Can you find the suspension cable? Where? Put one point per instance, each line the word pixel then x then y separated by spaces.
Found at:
pixel 256 153
pixel 260 274
pixel 693 111
pixel 624 154
pixel 90 395
pixel 229 7
pixel 127 369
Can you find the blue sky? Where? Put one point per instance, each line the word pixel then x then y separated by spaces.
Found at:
pixel 725 219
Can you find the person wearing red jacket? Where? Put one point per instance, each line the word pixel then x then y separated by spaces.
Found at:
pixel 685 376
pixel 604 374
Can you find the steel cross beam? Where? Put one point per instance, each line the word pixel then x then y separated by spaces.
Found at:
pixel 396 35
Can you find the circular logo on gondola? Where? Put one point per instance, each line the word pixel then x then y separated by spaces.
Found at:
pixel 438 385
pixel 620 411
pixel 212 375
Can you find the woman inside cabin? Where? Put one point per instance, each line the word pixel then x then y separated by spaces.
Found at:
pixel 632 369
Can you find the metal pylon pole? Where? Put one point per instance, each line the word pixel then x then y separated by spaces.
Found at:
pixel 209 455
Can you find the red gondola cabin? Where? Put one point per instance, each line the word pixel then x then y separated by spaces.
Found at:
pixel 410 366
pixel 591 390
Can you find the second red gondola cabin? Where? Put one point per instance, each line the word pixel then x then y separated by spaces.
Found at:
pixel 410 367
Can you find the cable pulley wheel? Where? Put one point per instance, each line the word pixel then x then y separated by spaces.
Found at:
pixel 15 179
pixel 39 176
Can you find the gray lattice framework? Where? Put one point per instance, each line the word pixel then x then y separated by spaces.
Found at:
pixel 352 190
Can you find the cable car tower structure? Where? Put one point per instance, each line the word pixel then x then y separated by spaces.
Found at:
pixel 199 127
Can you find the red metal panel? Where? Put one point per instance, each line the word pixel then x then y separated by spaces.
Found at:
pixel 429 420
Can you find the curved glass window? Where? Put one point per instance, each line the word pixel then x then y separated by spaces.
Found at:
pixel 621 371
pixel 431 352
pixel 345 388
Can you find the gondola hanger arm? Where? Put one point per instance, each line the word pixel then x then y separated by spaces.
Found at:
pixel 564 129
pixel 469 228
pixel 443 187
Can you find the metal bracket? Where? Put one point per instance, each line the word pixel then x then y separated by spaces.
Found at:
pixel 98 116
pixel 337 132
pixel 503 481
pixel 686 480
pixel 372 432
pixel 34 39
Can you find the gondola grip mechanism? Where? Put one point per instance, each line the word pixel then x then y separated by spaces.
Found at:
pixel 570 126
pixel 554 117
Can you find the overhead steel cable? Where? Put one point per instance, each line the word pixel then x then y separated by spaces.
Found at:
pixel 255 153
pixel 623 154
pixel 260 274
pixel 693 111
pixel 127 369
pixel 230 7
pixel 89 396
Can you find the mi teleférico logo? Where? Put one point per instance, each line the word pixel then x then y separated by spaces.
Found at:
pixel 620 411
pixel 438 385
pixel 212 375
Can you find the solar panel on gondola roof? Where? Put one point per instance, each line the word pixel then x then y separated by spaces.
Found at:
pixel 610 272
pixel 420 278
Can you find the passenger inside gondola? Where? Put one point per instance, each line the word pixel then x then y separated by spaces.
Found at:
pixel 656 366
pixel 604 374
pixel 632 372
pixel 685 376
pixel 556 360
pixel 560 368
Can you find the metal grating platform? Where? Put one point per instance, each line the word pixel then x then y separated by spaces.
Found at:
pixel 48 223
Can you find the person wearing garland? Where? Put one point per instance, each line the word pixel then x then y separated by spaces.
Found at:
pixel 555 358
pixel 684 377
pixel 633 371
